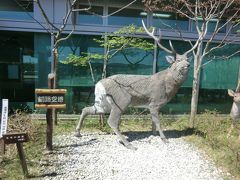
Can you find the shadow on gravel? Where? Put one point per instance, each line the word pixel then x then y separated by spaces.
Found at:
pixel 91 141
pixel 138 135
pixel 50 174
pixel 178 134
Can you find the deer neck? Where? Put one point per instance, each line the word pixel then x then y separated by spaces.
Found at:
pixel 235 111
pixel 176 76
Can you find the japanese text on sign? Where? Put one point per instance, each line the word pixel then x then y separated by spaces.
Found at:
pixel 4 117
pixel 50 99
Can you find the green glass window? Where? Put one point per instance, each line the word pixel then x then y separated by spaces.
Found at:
pixel 92 16
pixel 126 16
pixel 16 9
pixel 211 26
pixel 42 54
pixel 79 76
pixel 17 67
pixel 236 28
pixel 169 21
pixel 131 61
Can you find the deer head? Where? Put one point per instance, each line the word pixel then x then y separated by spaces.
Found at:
pixel 179 67
pixel 176 57
pixel 235 95
pixel 179 62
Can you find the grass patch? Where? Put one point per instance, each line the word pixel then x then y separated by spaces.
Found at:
pixel 224 151
pixel 210 135
pixel 10 164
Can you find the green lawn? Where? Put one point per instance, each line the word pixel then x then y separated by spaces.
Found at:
pixel 210 135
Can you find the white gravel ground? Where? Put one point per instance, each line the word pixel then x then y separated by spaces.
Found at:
pixel 97 156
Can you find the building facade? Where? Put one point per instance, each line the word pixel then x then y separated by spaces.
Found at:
pixel 25 53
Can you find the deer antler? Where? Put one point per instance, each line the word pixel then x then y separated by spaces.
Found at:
pixel 238 87
pixel 193 47
pixel 157 39
pixel 171 46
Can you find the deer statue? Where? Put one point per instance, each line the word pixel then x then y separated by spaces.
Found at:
pixel 115 93
pixel 235 110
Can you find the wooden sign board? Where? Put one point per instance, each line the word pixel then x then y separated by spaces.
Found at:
pixel 18 139
pixel 50 98
pixel 15 138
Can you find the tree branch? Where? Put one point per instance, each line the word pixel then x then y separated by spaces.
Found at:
pixel 48 22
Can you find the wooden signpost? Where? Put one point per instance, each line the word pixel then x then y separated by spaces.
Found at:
pixel 18 139
pixel 12 138
pixel 49 99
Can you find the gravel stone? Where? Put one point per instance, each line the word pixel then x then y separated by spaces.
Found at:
pixel 100 156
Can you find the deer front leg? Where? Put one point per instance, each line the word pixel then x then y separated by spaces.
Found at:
pixel 236 125
pixel 230 131
pixel 155 118
pixel 85 112
pixel 114 121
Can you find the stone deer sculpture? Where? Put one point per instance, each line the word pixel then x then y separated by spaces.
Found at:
pixel 235 111
pixel 115 93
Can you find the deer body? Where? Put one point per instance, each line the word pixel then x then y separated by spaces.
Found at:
pixel 115 93
pixel 138 90
pixel 235 111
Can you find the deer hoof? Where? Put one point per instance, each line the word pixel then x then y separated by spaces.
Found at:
pixel 165 140
pixel 77 134
pixel 129 146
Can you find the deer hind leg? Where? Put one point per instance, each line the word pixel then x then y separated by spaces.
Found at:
pixel 155 118
pixel 117 109
pixel 85 112
pixel 114 121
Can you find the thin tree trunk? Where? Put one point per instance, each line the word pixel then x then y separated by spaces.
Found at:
pixel 196 84
pixel 104 73
pixel 194 100
pixel 55 61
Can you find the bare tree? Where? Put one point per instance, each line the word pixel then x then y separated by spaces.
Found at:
pixel 221 14
pixel 57 31
pixel 57 36
pixel 69 18
pixel 202 14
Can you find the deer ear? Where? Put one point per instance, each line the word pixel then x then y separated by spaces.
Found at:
pixel 170 59
pixel 230 92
